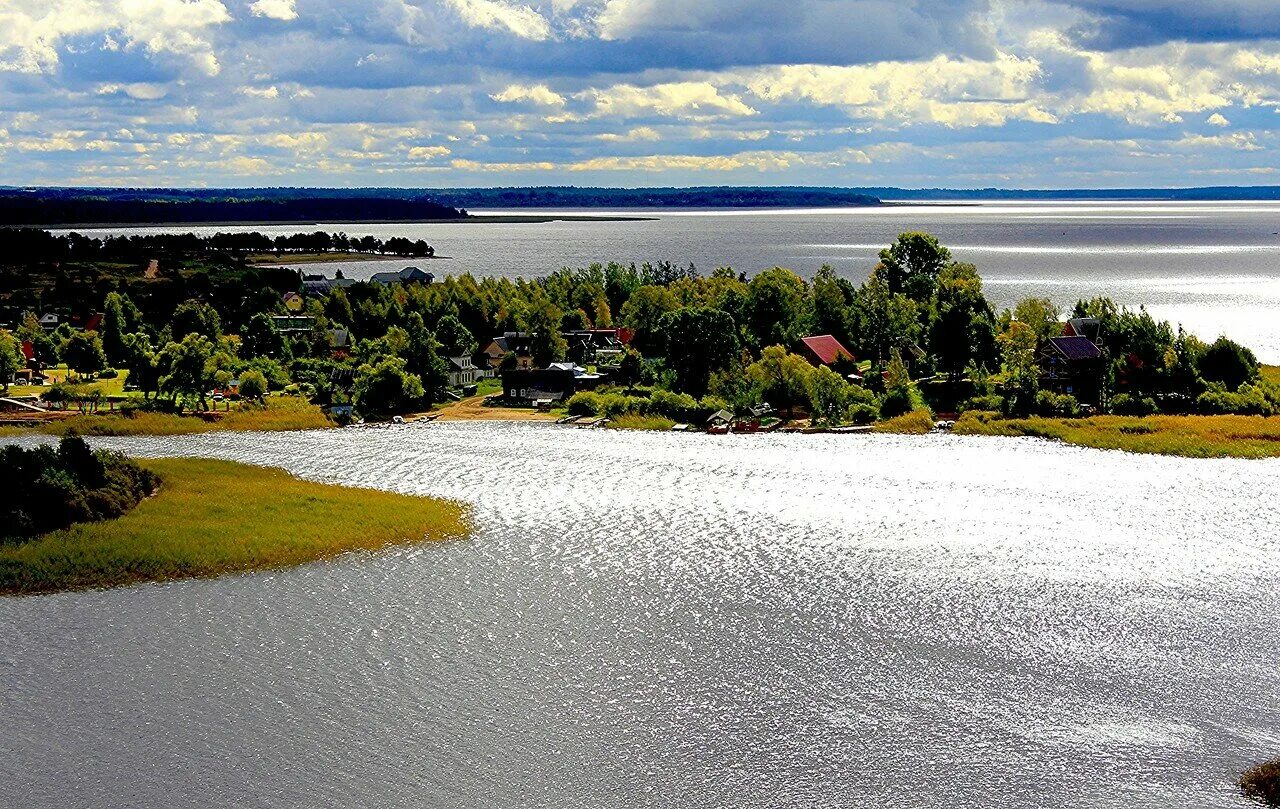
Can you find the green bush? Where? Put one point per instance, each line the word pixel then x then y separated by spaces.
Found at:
pixel 583 403
pixel 1124 404
pixel 1049 403
pixel 861 413
pixel 613 405
pixel 48 489
pixel 678 406
pixel 1250 400
pixel 896 402
pixel 991 402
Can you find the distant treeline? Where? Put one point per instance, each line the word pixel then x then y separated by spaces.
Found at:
pixel 700 197
pixel 21 245
pixel 70 207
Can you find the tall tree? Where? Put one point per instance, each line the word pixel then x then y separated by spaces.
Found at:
pixel 783 377
pixel 11 359
pixel 82 352
pixel 643 311
pixel 697 342
pixel 832 305
pixel 963 331
pixel 777 308
pixel 911 265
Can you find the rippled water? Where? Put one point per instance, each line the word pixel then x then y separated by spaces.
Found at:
pixel 685 621
pixel 1213 266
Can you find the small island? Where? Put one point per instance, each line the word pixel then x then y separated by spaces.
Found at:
pixel 90 519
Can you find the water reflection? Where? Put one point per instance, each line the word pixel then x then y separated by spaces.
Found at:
pixel 665 620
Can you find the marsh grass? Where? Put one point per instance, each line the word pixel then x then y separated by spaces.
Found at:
pixel 917 422
pixel 212 517
pixel 1187 436
pixel 280 413
pixel 634 422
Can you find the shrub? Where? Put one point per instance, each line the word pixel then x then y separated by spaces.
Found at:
pixel 48 489
pixel 613 405
pixel 583 403
pixel 917 422
pixel 1251 400
pixel 862 413
pixel 1262 782
pixel 678 406
pixel 990 402
pixel 1124 404
pixel 1049 403
pixel 1228 363
pixel 896 402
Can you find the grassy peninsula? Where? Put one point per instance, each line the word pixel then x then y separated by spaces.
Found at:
pixel 1187 436
pixel 212 517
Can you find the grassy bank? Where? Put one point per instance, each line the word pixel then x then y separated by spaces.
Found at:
pixel 279 413
pixel 213 517
pixel 1187 436
pixel 633 422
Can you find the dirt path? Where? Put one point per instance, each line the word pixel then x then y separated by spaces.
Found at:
pixel 473 409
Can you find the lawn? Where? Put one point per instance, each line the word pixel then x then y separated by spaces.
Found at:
pixel 213 517
pixel 1187 436
pixel 107 387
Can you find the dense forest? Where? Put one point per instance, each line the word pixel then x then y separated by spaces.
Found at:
pixel 47 489
pixel 74 207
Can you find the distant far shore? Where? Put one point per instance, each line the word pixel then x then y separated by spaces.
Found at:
pixel 518 219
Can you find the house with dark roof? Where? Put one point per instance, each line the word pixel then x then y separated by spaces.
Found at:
pixel 593 345
pixel 409 275
pixel 513 342
pixel 823 349
pixel 1071 364
pixel 1087 327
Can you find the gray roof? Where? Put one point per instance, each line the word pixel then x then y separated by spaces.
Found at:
pixel 1075 349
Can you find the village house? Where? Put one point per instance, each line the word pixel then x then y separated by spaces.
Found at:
pixel 462 371
pixel 1071 364
pixel 591 346
pixel 512 342
pixel 409 275
pixel 48 321
pixel 319 285
pixel 556 382
pixel 823 349
pixel 293 302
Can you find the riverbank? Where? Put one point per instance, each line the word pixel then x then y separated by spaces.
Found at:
pixel 1184 436
pixel 280 413
pixel 214 517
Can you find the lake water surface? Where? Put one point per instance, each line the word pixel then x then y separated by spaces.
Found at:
pixel 1212 266
pixel 685 621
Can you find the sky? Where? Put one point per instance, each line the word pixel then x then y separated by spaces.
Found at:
pixel 422 93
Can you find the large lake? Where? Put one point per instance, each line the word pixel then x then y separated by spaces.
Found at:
pixel 660 620
pixel 1212 266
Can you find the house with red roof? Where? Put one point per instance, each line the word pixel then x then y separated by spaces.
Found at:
pixel 823 349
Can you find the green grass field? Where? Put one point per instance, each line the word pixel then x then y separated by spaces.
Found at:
pixel 280 413
pixel 107 387
pixel 213 517
pixel 1187 436
pixel 634 422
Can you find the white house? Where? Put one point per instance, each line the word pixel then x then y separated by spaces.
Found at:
pixel 462 371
